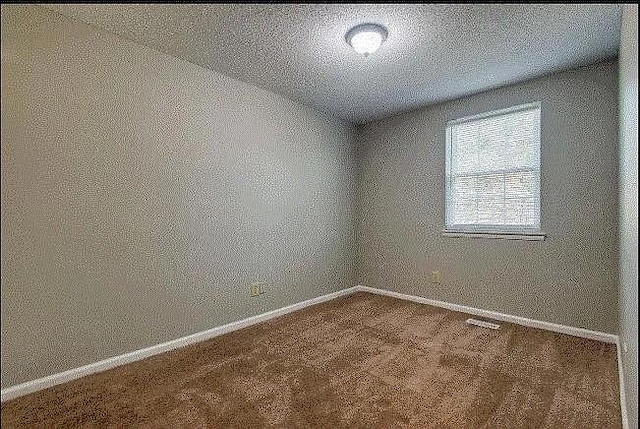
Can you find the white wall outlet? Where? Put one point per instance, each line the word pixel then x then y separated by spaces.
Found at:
pixel 435 277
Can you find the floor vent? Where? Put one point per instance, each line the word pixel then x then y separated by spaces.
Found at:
pixel 483 324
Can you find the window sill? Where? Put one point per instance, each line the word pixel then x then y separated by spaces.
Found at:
pixel 527 236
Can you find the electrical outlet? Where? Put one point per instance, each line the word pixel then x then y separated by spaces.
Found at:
pixel 257 288
pixel 435 276
pixel 255 291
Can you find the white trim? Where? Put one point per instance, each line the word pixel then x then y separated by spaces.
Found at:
pixel 490 114
pixel 532 323
pixel 103 365
pixel 528 236
pixel 623 392
pixel 449 161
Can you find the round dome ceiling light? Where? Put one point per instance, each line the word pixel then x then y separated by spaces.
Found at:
pixel 365 39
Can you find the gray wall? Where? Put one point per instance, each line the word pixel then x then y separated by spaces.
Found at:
pixel 629 206
pixel 142 195
pixel 571 278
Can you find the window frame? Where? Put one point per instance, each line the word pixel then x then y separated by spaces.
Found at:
pixel 510 232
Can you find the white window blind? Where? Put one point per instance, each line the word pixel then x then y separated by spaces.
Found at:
pixel 493 171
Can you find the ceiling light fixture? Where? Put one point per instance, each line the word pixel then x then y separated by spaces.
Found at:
pixel 366 38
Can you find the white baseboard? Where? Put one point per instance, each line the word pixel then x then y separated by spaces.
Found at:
pixel 103 365
pixel 576 332
pixel 623 392
pixel 532 323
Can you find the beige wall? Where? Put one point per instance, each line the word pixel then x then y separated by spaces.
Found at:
pixel 571 278
pixel 629 206
pixel 142 195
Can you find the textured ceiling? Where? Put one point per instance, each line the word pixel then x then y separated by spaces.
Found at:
pixel 433 52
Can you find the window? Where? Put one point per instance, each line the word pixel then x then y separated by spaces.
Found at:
pixel 493 174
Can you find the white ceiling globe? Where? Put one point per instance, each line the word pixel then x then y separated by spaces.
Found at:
pixel 365 39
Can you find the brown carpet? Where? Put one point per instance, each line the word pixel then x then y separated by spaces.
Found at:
pixel 358 361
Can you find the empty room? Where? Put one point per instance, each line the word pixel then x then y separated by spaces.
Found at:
pixel 319 215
